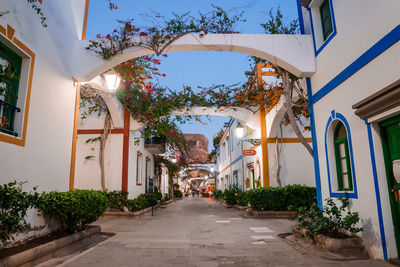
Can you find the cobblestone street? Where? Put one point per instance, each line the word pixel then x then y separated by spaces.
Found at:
pixel 199 232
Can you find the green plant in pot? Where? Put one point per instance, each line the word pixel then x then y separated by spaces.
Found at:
pixel 333 221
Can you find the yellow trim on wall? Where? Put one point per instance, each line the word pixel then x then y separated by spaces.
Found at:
pixel 264 148
pixel 4 137
pixel 224 136
pixel 74 138
pixel 3 30
pixel 85 18
pixel 224 169
pixel 287 140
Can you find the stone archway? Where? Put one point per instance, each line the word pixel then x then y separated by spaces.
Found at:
pixel 294 53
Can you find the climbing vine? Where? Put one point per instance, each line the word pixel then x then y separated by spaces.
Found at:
pixel 164 32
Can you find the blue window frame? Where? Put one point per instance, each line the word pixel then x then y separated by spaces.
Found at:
pixel 337 191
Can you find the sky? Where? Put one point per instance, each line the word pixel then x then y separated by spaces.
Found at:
pixel 192 68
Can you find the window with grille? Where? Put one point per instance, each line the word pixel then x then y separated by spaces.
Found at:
pixel 10 70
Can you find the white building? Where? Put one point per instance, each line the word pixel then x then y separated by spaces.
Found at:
pixel 129 159
pixel 348 52
pixel 288 161
pixel 355 99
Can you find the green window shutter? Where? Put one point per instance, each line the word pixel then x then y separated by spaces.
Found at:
pixel 10 70
pixel 342 156
pixel 326 19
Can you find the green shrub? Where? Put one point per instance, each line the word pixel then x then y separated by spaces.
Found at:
pixel 151 199
pixel 142 201
pixel 241 198
pixel 291 197
pixel 167 197
pixel 177 193
pixel 76 209
pixel 217 194
pixel 157 195
pixel 13 206
pixel 331 221
pixel 133 205
pixel 230 194
pixel 117 199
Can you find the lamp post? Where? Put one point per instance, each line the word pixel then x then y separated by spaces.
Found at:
pixel 239 132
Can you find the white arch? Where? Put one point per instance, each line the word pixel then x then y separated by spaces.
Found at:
pixel 293 52
pixel 276 115
pixel 244 115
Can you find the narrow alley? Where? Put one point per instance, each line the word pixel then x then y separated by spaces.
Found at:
pixel 196 231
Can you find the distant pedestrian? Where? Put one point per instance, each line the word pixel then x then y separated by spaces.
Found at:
pixel 193 192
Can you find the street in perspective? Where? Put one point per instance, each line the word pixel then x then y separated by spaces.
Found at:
pixel 199 133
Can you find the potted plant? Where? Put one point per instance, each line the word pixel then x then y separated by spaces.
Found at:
pixel 334 228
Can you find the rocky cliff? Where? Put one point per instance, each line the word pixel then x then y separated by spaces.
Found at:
pixel 197 145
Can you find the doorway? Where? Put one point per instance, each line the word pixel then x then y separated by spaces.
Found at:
pixel 390 134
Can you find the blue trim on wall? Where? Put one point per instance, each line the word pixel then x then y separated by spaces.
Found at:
pixel 312 30
pixel 301 19
pixel 315 146
pixel 381 46
pixel 333 34
pixel 330 37
pixel 354 194
pixel 377 194
pixel 236 160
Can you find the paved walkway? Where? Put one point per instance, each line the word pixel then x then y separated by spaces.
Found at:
pixel 199 232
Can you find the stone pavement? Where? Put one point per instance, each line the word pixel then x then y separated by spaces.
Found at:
pixel 199 232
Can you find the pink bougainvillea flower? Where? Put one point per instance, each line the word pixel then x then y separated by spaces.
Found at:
pixel 147 58
pixel 98 35
pixel 143 34
pixel 174 132
pixel 115 30
pixel 164 74
pixel 108 36
pixel 165 55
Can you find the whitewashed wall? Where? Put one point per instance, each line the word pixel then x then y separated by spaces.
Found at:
pixel 87 171
pixel 45 159
pixel 355 35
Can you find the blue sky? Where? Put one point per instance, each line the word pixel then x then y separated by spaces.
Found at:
pixel 192 68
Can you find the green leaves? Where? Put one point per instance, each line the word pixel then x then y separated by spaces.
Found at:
pixel 76 209
pixel 177 193
pixel 163 32
pixel 290 197
pixel 276 24
pixel 14 203
pixel 38 11
pixel 333 221
pixel 116 199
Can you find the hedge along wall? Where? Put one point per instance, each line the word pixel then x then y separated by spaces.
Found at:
pixel 290 197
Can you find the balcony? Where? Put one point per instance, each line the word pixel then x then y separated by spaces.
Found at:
pixel 155 145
